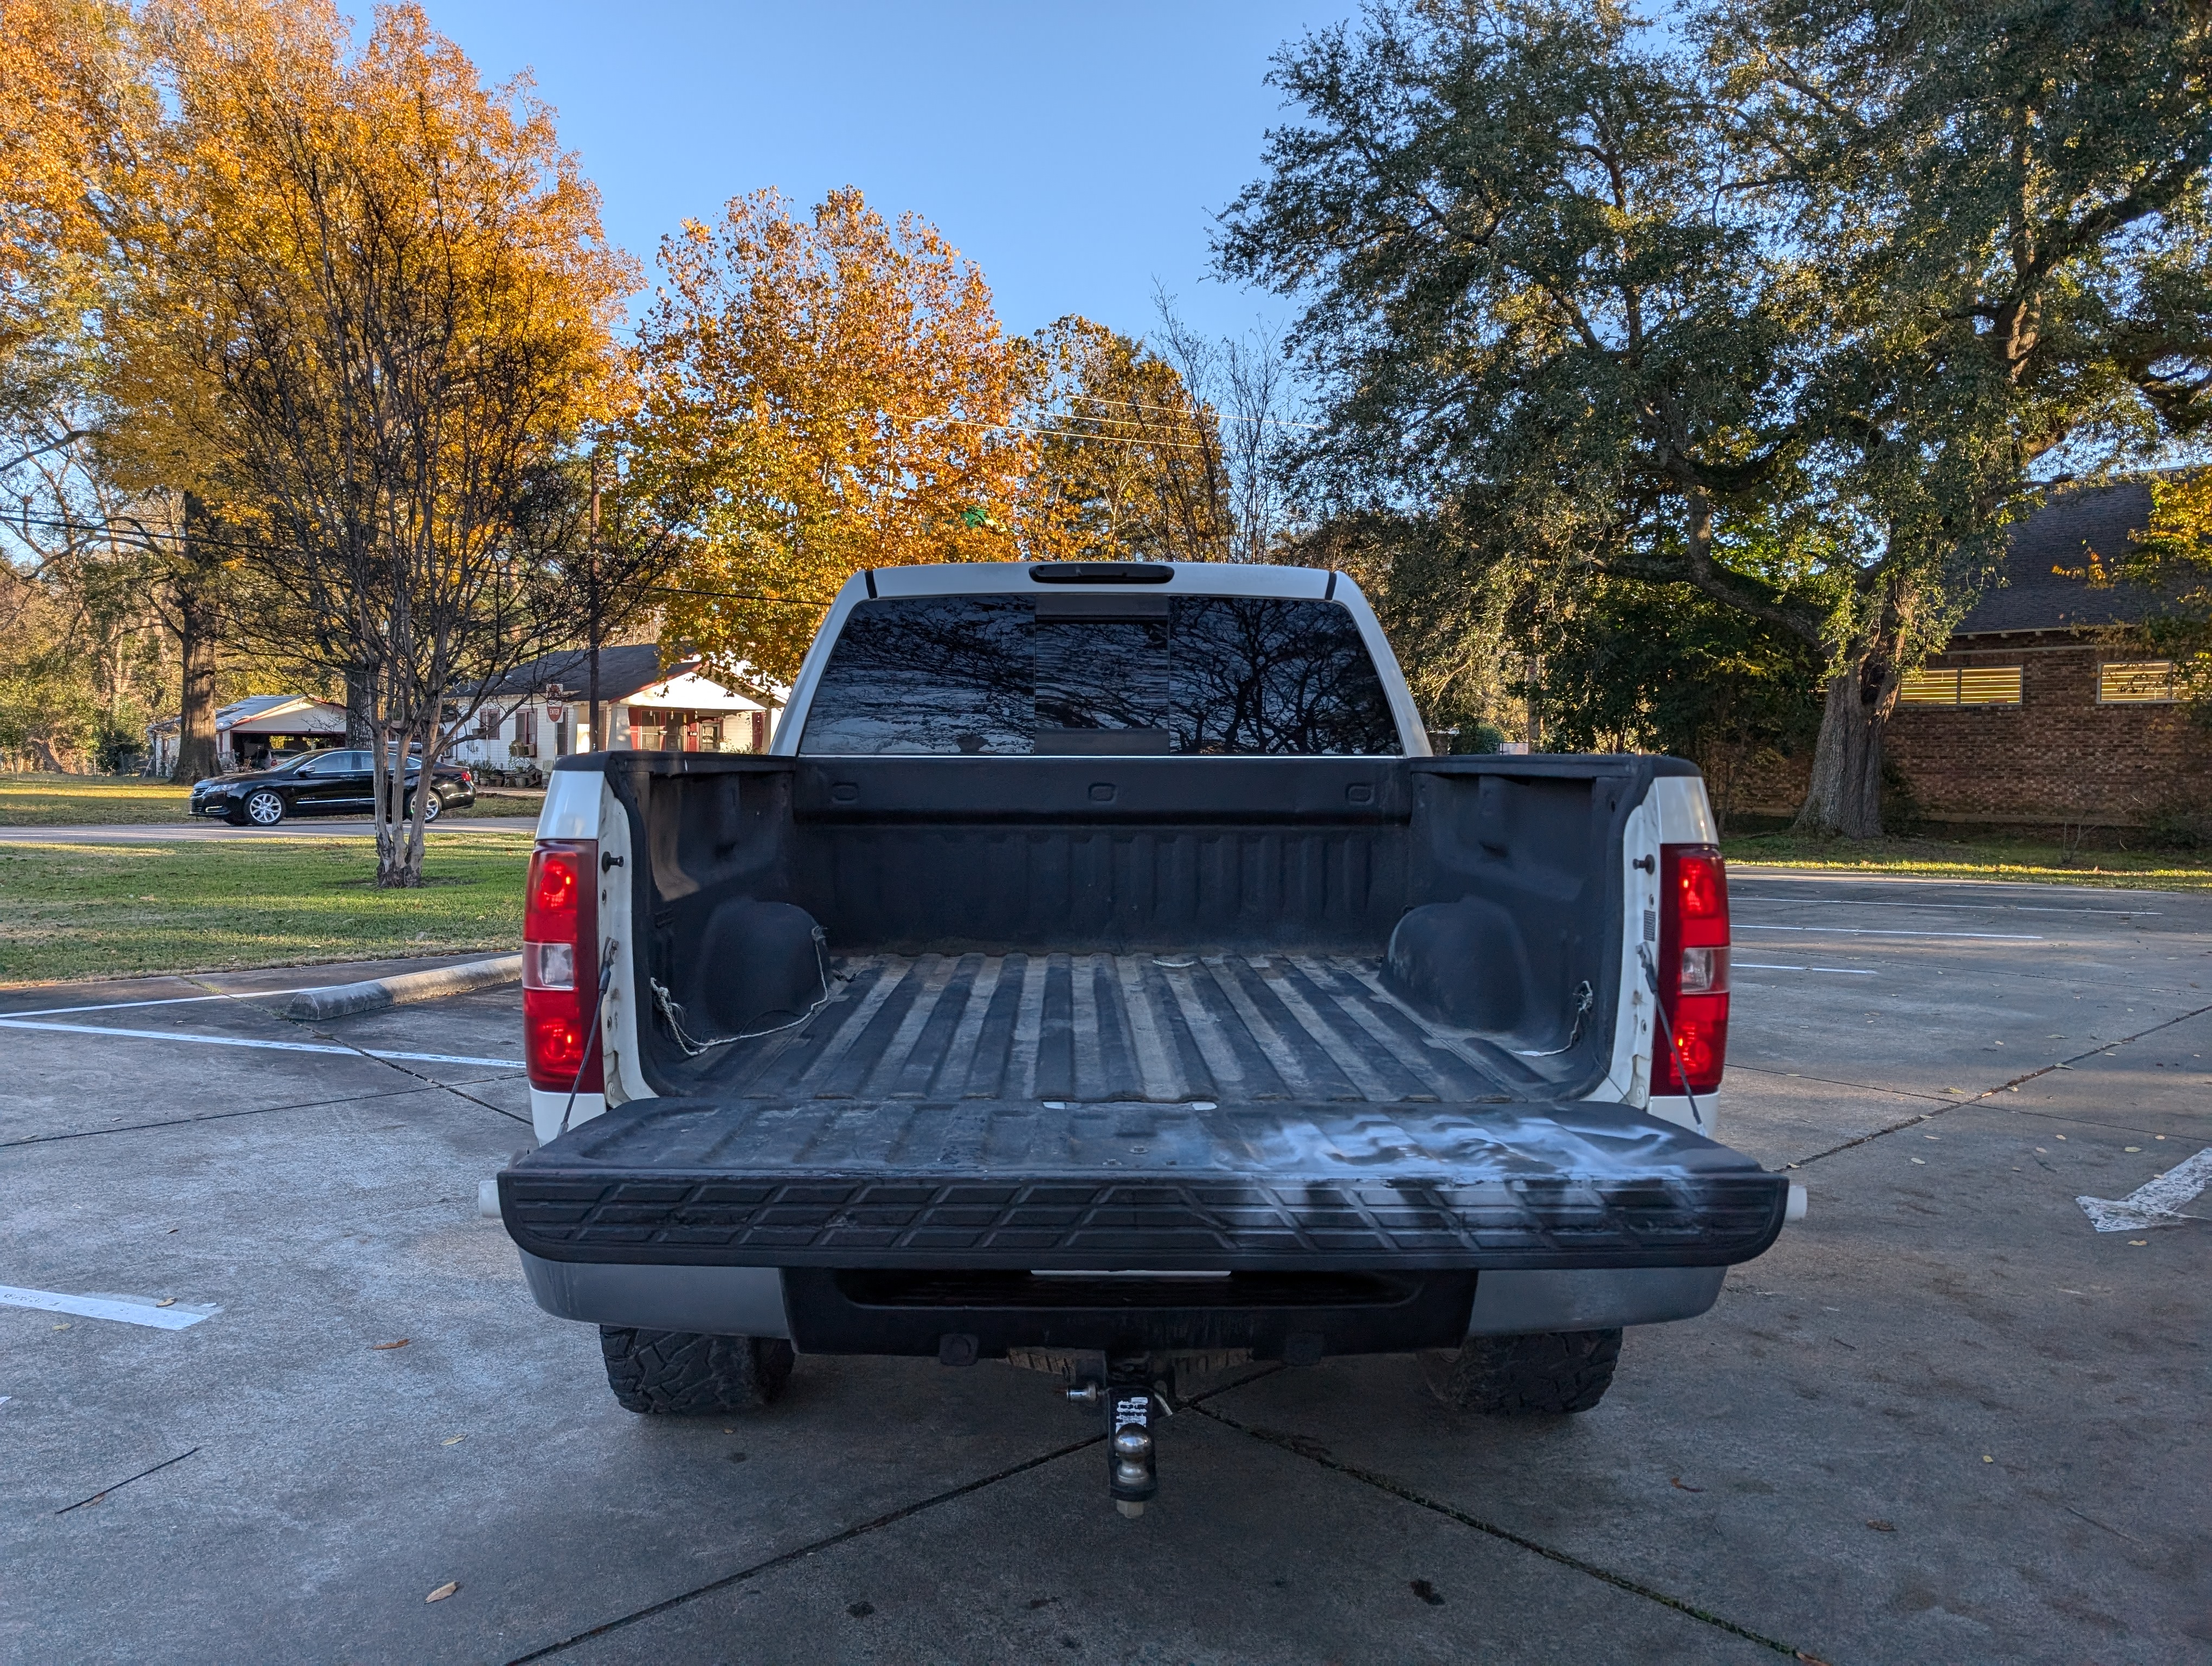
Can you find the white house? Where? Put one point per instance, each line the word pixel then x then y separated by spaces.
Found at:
pixel 253 730
pixel 539 713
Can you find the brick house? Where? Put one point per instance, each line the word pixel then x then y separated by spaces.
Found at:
pixel 2041 712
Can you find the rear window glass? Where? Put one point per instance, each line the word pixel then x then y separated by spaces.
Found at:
pixel 1091 673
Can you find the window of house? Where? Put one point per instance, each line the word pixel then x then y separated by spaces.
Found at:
pixel 1962 685
pixel 2135 682
pixel 525 729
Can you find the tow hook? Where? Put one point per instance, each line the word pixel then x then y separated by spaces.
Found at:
pixel 1130 1398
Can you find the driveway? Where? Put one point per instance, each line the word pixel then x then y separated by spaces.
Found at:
pixel 1943 1420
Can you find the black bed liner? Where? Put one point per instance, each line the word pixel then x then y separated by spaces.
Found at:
pixel 1169 1028
pixel 1017 1184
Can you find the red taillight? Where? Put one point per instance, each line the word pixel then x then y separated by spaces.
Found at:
pixel 1693 969
pixel 559 967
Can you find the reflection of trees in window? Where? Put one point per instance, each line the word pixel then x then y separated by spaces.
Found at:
pixel 979 674
pixel 1259 675
pixel 1101 674
pixel 928 674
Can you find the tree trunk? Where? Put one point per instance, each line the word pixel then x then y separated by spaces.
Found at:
pixel 358 707
pixel 1845 794
pixel 194 584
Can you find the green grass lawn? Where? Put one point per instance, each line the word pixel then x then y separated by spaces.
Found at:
pixel 81 910
pixel 50 800
pixel 1980 858
pixel 46 800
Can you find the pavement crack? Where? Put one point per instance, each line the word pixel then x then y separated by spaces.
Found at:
pixel 209 1117
pixel 115 1486
pixel 2001 1087
pixel 413 1075
pixel 888 1519
pixel 1406 1495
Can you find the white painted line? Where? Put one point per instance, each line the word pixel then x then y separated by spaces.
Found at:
pixel 166 1001
pixel 129 1310
pixel 1761 966
pixel 1871 931
pixel 2158 1203
pixel 267 1046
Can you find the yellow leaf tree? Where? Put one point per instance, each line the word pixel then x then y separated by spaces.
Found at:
pixel 824 393
pixel 386 285
pixel 1129 462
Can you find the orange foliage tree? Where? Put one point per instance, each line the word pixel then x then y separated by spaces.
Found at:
pixel 822 394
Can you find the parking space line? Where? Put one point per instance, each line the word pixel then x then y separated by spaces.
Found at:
pixel 122 1310
pixel 267 1046
pixel 1875 931
pixel 165 1000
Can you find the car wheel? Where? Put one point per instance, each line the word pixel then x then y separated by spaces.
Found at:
pixel 680 1373
pixel 264 808
pixel 434 809
pixel 1544 1375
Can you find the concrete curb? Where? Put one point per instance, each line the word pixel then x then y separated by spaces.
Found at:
pixel 378 993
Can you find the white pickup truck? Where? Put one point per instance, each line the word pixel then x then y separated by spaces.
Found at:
pixel 1100 974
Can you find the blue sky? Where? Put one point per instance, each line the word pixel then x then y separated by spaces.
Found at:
pixel 1077 152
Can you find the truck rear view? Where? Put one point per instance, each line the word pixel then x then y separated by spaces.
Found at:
pixel 1100 976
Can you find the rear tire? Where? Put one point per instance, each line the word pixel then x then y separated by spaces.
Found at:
pixel 678 1373
pixel 1549 1374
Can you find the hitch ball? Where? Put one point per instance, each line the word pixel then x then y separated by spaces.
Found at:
pixel 1133 1456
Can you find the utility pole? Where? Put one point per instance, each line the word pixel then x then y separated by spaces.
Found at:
pixel 592 608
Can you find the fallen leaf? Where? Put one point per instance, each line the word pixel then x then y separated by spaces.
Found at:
pixel 385 1347
pixel 443 1591
pixel 1986 1458
pixel 1678 1481
pixel 1922 1161
pixel 167 1301
pixel 2137 1243
pixel 1883 1527
pixel 61 1327
pixel 2131 1148
pixel 455 1441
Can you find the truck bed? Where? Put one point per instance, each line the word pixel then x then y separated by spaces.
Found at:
pixel 1166 1028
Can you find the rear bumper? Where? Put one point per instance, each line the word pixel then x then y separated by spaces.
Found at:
pixel 988 1185
pixel 750 1301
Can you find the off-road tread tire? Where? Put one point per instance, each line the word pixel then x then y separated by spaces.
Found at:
pixel 1545 1375
pixel 681 1373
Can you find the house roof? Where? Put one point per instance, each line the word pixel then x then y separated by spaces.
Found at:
pixel 624 668
pixel 625 671
pixel 262 714
pixel 2064 534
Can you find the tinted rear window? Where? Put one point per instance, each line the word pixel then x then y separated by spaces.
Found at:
pixel 1091 673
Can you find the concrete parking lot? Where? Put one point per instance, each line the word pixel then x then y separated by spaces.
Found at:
pixel 1943 1420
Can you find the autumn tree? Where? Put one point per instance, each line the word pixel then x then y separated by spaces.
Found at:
pixel 821 394
pixel 386 285
pixel 1128 462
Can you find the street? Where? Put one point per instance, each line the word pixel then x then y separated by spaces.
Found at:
pixel 1943 1420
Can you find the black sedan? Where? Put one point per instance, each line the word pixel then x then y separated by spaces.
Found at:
pixel 337 784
